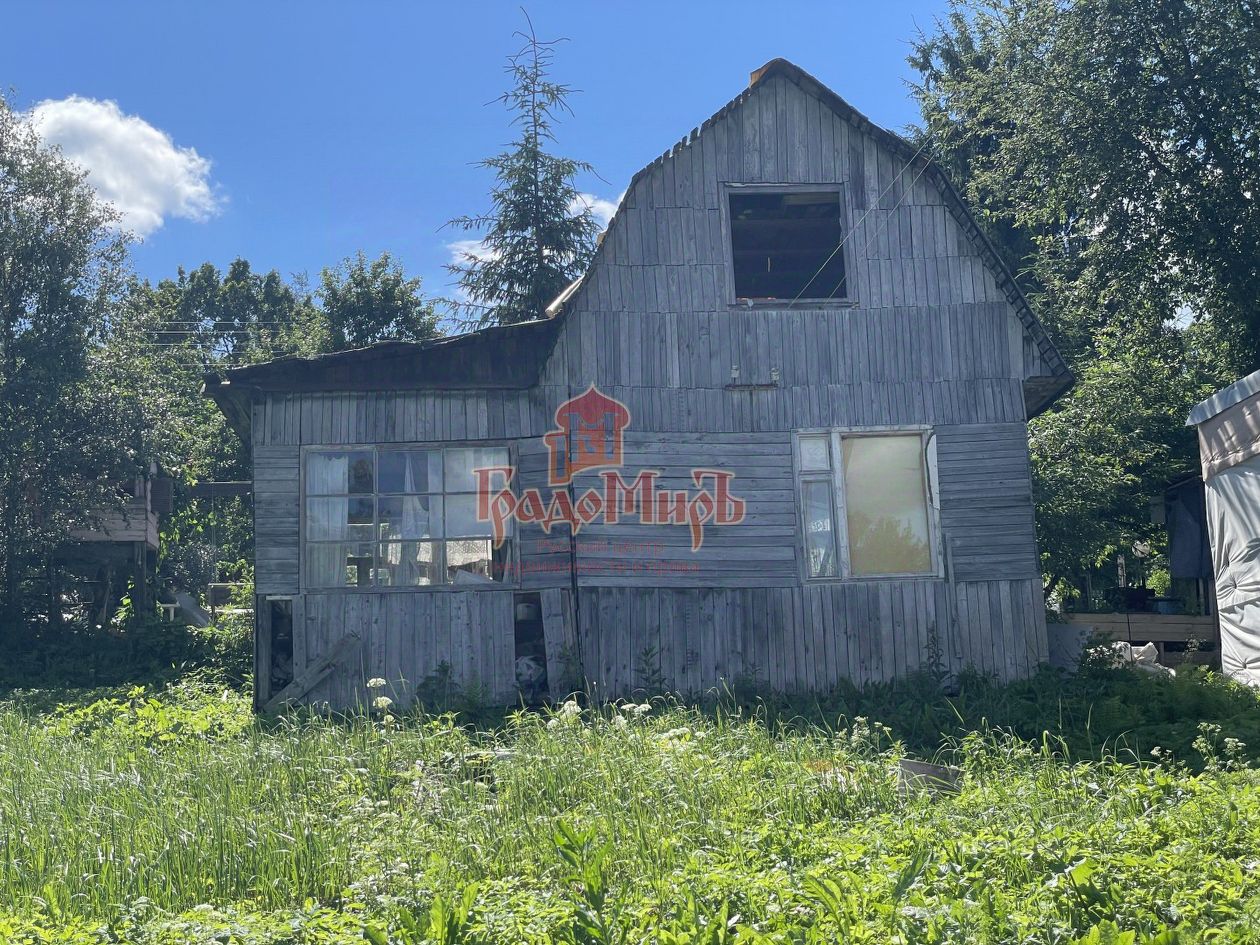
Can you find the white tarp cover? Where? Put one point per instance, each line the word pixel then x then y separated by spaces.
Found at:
pixel 1233 514
pixel 1230 437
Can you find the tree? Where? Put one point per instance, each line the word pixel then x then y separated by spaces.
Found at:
pixel 539 235
pixel 368 302
pixel 234 318
pixel 1111 151
pixel 65 438
pixel 1121 139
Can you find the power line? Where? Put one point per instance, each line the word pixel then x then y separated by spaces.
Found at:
pixel 862 219
pixel 884 224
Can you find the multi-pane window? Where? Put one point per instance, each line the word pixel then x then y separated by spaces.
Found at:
pixel 865 504
pixel 400 517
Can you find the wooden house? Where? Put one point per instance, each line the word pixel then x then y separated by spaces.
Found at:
pixel 775 434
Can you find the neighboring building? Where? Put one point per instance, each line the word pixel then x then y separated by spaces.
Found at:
pixel 120 549
pixel 794 344
pixel 1228 424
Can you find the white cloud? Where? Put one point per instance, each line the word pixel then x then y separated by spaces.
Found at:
pixel 460 250
pixel 131 164
pixel 600 208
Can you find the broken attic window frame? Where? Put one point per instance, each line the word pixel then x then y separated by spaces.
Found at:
pixel 782 244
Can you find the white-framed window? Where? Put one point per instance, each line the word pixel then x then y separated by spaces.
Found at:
pixel 400 516
pixel 866 504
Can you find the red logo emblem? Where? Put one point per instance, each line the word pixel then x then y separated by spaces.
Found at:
pixel 588 435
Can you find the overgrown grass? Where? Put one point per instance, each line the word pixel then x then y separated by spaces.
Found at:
pixel 177 817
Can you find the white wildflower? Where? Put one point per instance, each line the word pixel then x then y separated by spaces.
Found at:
pixel 382 702
pixel 376 683
pixel 619 721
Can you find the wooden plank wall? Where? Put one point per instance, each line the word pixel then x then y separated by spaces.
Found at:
pixel 405 637
pixel 986 501
pixel 800 639
pixel 930 338
pixel 759 551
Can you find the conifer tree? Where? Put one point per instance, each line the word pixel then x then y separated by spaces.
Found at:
pixel 538 235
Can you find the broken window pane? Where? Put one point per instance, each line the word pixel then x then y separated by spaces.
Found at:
pixel 787 245
pixel 886 505
pixel 477 561
pixel 408 564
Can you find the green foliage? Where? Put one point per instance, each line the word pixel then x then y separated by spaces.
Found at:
pixel 143 650
pixel 165 338
pixel 65 439
pixel 1110 149
pixel 368 302
pixel 538 235
pixel 150 816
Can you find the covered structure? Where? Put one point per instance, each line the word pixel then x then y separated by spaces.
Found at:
pixel 1228 425
pixel 777 433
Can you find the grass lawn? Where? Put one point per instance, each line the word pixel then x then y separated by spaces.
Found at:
pixel 171 815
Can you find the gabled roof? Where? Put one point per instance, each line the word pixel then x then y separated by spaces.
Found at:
pixel 1223 399
pixel 512 356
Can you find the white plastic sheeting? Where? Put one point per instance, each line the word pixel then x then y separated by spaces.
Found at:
pixel 1233 515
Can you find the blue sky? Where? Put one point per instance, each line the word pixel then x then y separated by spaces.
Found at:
pixel 295 134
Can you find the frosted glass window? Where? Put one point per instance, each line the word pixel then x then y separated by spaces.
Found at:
pixel 814 453
pixel 886 507
pixel 865 505
pixel 408 564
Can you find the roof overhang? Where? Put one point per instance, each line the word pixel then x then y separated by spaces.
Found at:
pixel 506 357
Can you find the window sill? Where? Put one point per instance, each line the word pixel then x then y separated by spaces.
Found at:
pixel 799 304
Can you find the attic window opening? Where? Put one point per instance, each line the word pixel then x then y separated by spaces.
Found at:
pixel 787 244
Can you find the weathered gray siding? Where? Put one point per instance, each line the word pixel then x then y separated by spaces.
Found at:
pixel 931 336
pixel 796 639
pixel 405 637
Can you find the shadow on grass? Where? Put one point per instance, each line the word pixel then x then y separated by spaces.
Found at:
pixel 79 664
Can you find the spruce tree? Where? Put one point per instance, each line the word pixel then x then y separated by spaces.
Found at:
pixel 538 235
